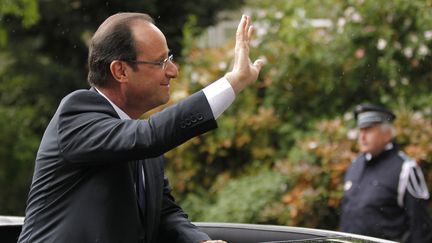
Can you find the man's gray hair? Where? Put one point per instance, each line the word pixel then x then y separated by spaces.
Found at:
pixel 385 126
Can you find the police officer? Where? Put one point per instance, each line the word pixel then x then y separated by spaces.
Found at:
pixel 385 194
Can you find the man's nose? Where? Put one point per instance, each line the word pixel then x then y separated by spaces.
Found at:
pixel 171 70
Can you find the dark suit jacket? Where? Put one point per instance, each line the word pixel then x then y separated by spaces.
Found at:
pixel 83 187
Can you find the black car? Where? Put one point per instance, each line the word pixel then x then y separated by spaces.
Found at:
pixel 10 228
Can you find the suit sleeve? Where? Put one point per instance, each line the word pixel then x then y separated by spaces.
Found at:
pixel 175 225
pixel 90 131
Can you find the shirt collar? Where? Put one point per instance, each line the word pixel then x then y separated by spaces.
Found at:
pixel 119 111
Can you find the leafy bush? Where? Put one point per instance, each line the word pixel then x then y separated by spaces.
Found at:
pixel 323 58
pixel 305 188
pixel 18 147
pixel 244 199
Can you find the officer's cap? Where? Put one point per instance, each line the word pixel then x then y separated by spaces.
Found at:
pixel 368 115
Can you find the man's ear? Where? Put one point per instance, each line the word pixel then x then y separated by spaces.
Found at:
pixel 118 70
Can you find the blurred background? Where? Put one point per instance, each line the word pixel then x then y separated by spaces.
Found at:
pixel 280 152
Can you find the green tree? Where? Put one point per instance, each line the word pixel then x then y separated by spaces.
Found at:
pixel 323 58
pixel 326 56
pixel 17 143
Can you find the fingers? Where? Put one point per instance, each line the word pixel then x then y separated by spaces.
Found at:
pixel 240 29
pixel 250 32
pixel 244 31
pixel 246 28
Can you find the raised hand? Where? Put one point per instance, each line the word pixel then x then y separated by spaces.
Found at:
pixel 244 72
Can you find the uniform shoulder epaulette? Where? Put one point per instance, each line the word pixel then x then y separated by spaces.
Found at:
pixel 411 179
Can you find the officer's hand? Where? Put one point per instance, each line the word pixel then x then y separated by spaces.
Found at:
pixel 244 72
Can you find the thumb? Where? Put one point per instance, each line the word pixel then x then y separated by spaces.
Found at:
pixel 259 63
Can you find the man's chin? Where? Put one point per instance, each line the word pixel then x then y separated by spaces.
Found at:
pixel 165 100
pixel 364 149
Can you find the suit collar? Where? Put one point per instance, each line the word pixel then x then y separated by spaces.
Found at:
pixel 119 111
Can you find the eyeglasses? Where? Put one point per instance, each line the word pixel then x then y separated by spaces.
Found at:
pixel 162 64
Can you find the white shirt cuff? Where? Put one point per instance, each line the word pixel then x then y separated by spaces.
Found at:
pixel 220 95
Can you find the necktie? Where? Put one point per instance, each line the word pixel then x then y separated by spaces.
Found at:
pixel 140 186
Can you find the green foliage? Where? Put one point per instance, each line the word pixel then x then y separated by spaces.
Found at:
pixel 244 199
pixel 305 187
pixel 322 62
pixel 18 141
pixel 18 147
pixel 27 10
pixel 323 58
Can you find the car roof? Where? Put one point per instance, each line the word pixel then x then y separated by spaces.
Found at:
pixel 256 233
pixel 10 227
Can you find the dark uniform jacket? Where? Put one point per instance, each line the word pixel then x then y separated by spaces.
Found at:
pixel 385 197
pixel 83 187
